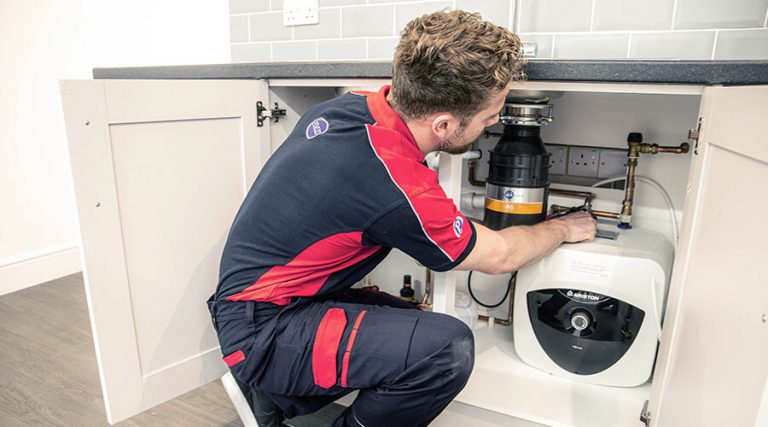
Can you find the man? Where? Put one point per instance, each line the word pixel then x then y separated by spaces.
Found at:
pixel 347 186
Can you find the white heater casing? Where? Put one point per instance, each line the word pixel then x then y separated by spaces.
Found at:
pixel 634 268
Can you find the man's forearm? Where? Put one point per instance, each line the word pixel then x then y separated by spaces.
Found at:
pixel 528 244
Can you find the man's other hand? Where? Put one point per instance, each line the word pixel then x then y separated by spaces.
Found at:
pixel 580 225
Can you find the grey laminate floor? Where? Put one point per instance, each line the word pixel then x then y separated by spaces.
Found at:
pixel 48 373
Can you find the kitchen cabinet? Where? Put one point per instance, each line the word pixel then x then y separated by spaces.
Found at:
pixel 160 167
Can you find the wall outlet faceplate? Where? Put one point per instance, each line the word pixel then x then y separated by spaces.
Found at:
pixel 583 161
pixel 300 12
pixel 557 159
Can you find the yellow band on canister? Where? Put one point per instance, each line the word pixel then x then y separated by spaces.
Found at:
pixel 514 208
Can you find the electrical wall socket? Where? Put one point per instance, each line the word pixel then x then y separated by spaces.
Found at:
pixel 529 50
pixel 583 161
pixel 300 12
pixel 557 159
pixel 612 163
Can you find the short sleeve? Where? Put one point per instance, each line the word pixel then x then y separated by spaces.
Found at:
pixel 429 228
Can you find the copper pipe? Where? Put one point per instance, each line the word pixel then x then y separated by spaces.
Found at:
pixel 588 197
pixel 602 214
pixel 637 147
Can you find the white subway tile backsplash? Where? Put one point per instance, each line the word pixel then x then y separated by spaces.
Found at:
pixel 294 51
pixel 341 49
pixel 327 28
pixel 251 52
pixel 561 29
pixel 715 14
pixel 269 27
pixel 248 6
pixel 238 28
pixel 591 46
pixel 328 3
pixel 404 13
pixel 554 15
pixel 496 11
pixel 367 21
pixel 672 45
pixel 382 48
pixel 543 44
pixel 742 44
pixel 618 15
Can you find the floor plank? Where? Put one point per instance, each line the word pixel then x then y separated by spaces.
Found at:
pixel 49 377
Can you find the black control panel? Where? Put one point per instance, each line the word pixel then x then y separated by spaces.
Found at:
pixel 583 332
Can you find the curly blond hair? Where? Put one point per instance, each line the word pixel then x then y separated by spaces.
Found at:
pixel 452 61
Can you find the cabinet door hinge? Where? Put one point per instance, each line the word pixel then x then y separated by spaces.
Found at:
pixel 262 113
pixel 693 135
pixel 645 416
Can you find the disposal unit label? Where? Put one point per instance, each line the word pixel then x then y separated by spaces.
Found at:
pixel 513 200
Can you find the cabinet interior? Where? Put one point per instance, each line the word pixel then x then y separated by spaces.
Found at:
pixel 585 115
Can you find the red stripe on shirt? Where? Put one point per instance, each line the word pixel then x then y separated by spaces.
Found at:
pixel 395 146
pixel 309 270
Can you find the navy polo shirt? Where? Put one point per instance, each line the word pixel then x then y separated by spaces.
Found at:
pixel 347 186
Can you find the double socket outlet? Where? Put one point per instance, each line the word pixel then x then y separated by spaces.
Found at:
pixel 591 162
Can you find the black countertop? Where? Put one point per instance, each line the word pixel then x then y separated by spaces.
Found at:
pixel 679 72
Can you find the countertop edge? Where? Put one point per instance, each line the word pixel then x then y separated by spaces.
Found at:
pixel 673 72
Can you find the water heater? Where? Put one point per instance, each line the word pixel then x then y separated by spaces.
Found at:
pixel 592 311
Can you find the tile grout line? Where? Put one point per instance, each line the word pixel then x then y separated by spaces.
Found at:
pixel 394 20
pixel 674 15
pixel 765 24
pixel 511 16
pixel 519 13
pixel 629 45
pixel 552 53
pixel 592 17
pixel 714 45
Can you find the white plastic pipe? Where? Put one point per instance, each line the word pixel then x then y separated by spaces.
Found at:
pixel 472 200
pixel 661 191
pixel 433 158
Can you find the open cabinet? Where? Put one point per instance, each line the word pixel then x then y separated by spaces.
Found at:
pixel 160 168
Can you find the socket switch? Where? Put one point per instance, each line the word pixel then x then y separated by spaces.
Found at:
pixel 300 12
pixel 612 163
pixel 557 159
pixel 583 161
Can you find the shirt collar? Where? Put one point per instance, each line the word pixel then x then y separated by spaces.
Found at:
pixel 386 117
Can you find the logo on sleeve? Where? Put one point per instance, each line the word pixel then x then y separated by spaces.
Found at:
pixel 458 226
pixel 317 128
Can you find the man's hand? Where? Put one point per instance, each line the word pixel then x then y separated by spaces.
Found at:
pixel 497 252
pixel 581 227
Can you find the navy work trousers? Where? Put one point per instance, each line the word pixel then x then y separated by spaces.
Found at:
pixel 408 364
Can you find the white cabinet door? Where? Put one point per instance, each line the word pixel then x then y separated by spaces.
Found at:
pixel 713 361
pixel 160 169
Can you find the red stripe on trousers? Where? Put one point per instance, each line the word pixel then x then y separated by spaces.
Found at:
pixel 234 358
pixel 350 343
pixel 326 346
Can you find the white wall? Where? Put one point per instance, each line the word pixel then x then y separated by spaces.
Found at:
pixel 42 42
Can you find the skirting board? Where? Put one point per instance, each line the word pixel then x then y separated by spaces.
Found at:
pixel 39 267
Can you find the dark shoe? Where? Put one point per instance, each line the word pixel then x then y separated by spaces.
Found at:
pixel 265 411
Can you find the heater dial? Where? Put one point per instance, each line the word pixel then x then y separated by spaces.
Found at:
pixel 580 321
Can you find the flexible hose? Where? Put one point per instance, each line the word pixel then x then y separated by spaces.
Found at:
pixel 659 188
pixel 504 297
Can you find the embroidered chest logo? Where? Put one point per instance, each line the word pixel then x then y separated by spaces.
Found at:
pixel 317 128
